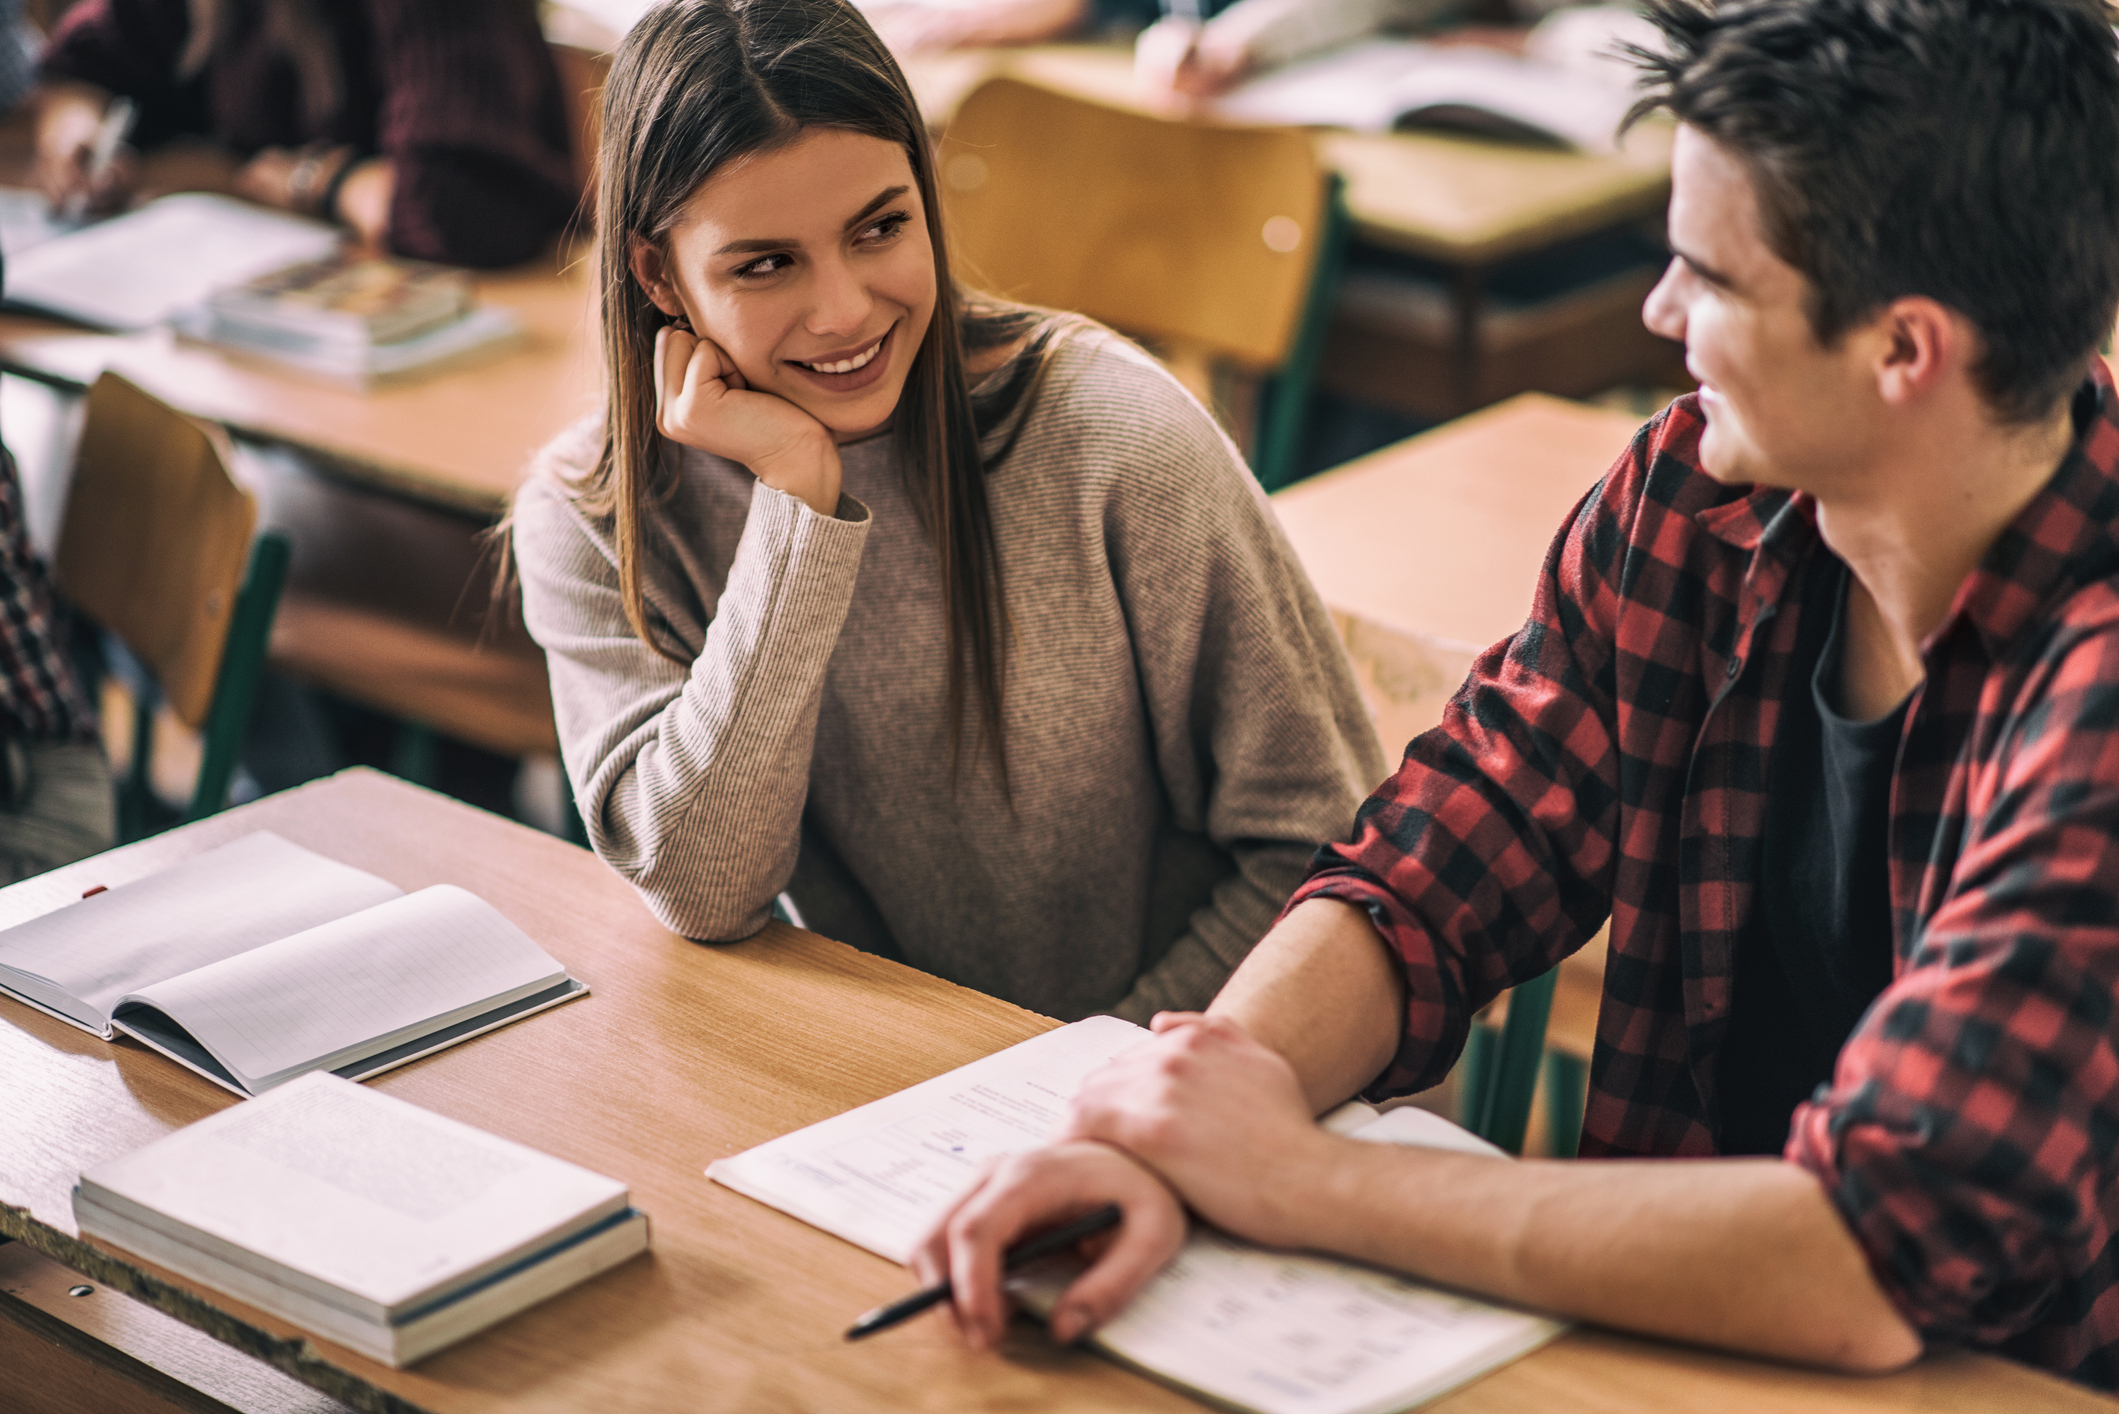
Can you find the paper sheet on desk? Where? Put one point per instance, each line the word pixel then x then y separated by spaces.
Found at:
pixel 880 1175
pixel 1270 1331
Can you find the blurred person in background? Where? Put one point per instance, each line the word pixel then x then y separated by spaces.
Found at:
pixel 433 130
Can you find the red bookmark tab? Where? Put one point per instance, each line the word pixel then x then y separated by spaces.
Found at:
pixel 98 889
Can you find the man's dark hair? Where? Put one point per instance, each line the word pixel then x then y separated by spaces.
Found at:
pixel 1966 150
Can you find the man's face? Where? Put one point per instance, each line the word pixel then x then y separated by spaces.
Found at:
pixel 1781 409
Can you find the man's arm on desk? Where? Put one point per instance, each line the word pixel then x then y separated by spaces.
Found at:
pixel 1747 1254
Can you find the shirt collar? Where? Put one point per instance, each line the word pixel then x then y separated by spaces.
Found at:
pixel 2068 533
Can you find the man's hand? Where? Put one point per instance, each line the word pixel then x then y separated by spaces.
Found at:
pixel 1220 1117
pixel 1028 1193
pixel 702 401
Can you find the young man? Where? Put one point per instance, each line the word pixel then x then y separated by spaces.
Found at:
pixel 1819 705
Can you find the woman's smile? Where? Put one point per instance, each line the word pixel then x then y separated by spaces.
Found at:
pixel 848 372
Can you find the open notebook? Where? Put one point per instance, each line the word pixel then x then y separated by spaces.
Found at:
pixel 1275 1332
pixel 259 961
pixel 1381 84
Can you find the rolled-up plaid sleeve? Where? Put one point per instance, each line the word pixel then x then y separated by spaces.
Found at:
pixel 1487 856
pixel 1970 1128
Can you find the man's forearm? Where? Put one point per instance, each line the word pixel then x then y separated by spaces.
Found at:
pixel 1746 1254
pixel 1324 991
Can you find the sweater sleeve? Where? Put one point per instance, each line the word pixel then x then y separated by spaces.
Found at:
pixel 691 780
pixel 1263 743
pixel 475 129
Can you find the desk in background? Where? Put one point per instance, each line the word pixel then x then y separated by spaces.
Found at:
pixel 685 1053
pixel 1467 205
pixel 385 497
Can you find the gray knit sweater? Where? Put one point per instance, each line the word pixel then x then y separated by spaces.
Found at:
pixel 1181 724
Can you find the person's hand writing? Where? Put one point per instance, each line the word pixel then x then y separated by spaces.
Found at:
pixel 702 401
pixel 1028 1193
pixel 1183 62
pixel 1220 1117
pixel 69 117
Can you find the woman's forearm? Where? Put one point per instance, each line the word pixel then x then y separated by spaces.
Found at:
pixel 697 797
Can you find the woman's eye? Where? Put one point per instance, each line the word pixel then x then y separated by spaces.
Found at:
pixel 887 228
pixel 764 265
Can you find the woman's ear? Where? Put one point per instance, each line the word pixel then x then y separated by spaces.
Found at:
pixel 644 258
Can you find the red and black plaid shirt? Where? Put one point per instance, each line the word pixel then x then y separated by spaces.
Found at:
pixel 1611 760
pixel 40 694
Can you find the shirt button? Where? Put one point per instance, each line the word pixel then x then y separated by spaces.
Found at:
pixel 1736 665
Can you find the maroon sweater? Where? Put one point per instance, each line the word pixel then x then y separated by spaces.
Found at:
pixel 460 95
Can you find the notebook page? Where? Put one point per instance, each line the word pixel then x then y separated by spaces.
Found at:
pixel 880 1175
pixel 216 905
pixel 136 270
pixel 1289 1334
pixel 355 984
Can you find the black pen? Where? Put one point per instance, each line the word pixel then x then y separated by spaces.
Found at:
pixel 1058 1239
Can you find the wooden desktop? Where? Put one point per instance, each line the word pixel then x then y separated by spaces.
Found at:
pixel 685 1053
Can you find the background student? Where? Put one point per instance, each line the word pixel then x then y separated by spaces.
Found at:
pixel 1818 705
pixel 434 130
pixel 964 624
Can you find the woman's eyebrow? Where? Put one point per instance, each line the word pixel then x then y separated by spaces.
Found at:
pixel 882 198
pixel 889 194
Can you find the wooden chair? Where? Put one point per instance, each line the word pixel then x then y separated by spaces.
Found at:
pixel 1219 245
pixel 157 548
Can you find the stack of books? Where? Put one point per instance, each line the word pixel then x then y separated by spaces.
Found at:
pixel 360 1218
pixel 354 317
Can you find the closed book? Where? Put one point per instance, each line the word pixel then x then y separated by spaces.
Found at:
pixel 361 1218
pixel 346 299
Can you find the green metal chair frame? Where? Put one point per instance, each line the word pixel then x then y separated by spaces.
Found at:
pixel 1501 1069
pixel 234 692
pixel 1284 400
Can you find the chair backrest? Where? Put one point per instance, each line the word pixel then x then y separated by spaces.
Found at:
pixel 1193 234
pixel 155 538
pixel 1501 1072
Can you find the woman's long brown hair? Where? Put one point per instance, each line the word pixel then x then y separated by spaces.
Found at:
pixel 699 83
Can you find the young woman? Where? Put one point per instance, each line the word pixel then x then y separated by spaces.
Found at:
pixel 961 623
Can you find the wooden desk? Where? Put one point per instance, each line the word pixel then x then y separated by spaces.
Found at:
pixel 1457 200
pixel 1427 551
pixel 685 1053
pixel 458 438
pixel 1465 203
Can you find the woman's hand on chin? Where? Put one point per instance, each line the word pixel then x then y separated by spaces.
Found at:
pixel 702 401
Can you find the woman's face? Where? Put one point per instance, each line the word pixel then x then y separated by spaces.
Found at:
pixel 811 267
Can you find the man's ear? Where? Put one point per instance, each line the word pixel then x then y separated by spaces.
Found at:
pixel 645 260
pixel 1923 344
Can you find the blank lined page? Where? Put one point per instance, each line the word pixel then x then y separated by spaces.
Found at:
pixel 357 980
pixel 221 903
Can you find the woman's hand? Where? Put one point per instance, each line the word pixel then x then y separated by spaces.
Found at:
pixel 1221 1118
pixel 69 117
pixel 1027 1193
pixel 702 401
